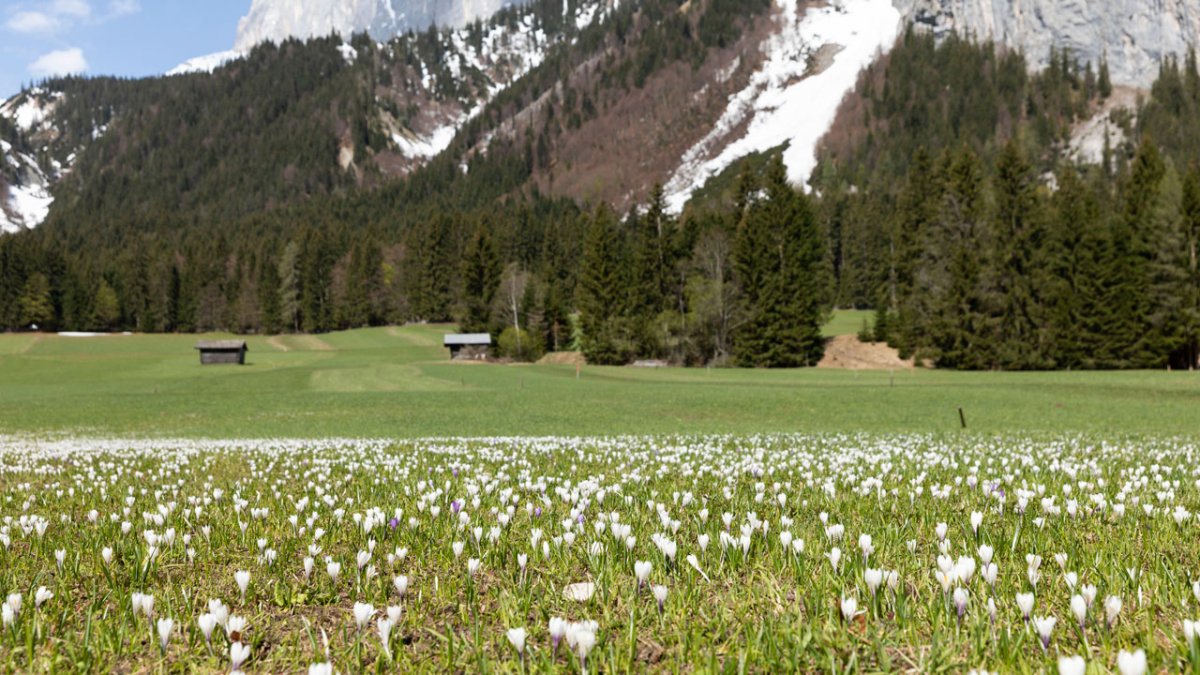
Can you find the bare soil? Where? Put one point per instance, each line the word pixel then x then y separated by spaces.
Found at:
pixel 563 359
pixel 847 352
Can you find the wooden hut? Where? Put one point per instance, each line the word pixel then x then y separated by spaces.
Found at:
pixel 468 345
pixel 214 352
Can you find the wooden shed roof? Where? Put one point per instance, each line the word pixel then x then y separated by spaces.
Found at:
pixel 221 345
pixel 467 339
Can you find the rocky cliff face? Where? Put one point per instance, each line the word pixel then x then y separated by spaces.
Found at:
pixel 1134 34
pixel 277 20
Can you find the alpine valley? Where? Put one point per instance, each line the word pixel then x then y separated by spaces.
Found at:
pixel 360 162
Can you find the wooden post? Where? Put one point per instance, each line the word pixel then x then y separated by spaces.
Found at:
pixel 962 418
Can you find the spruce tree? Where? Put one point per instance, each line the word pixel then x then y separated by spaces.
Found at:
pixel 602 292
pixel 1129 293
pixel 911 228
pixel 289 287
pixel 1018 275
pixel 481 277
pixel 1104 84
pixel 754 262
pixel 429 283
pixel 778 254
pixel 1190 354
pixel 106 307
pixel 960 330
pixel 792 302
pixel 1076 252
pixel 37 309
pixel 268 298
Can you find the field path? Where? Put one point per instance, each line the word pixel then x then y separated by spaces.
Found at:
pixel 278 344
pixel 31 344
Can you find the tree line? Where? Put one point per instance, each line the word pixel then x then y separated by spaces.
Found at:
pixel 963 221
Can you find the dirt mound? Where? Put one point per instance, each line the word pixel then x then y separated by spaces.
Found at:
pixel 563 359
pixel 847 352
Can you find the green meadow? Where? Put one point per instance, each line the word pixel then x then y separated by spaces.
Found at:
pixel 398 382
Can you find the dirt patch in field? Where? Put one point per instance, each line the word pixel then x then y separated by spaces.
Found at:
pixel 563 359
pixel 847 352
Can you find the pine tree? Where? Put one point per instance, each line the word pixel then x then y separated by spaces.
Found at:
pixel 1076 251
pixel 361 285
pixel 1018 280
pixel 174 299
pixel 429 285
pixel 601 293
pixel 1129 294
pixel 778 254
pixel 792 302
pixel 270 315
pixel 1190 353
pixel 915 217
pixel 106 308
pixel 481 277
pixel 37 309
pixel 755 256
pixel 1104 84
pixel 960 330
pixel 289 286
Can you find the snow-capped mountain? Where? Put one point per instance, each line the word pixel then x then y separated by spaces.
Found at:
pixel 1135 35
pixel 277 20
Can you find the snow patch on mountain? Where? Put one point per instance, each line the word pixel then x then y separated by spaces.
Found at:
pixel 794 96
pixel 28 110
pixel 278 20
pixel 24 191
pixel 206 63
pixel 503 55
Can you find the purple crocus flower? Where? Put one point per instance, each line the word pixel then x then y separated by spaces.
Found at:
pixel 537 511
pixel 455 506
pixel 394 523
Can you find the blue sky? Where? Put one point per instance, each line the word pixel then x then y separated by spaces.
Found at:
pixel 109 37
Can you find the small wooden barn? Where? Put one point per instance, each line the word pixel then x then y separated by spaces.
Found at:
pixel 473 346
pixel 215 352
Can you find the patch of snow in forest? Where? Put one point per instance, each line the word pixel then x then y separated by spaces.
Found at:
pixel 28 110
pixel 785 102
pixel 206 63
pixel 28 203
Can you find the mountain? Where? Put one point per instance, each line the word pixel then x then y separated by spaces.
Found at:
pixel 508 172
pixel 278 20
pixel 1133 35
pixel 695 86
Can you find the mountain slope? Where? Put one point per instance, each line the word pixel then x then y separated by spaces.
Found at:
pixel 598 100
pixel 279 20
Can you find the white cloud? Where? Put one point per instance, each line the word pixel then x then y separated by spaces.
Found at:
pixel 32 22
pixel 60 62
pixel 124 7
pixel 78 9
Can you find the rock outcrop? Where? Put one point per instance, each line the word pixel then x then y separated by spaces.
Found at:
pixel 1135 35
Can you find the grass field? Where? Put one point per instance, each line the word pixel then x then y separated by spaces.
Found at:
pixel 245 519
pixel 397 382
